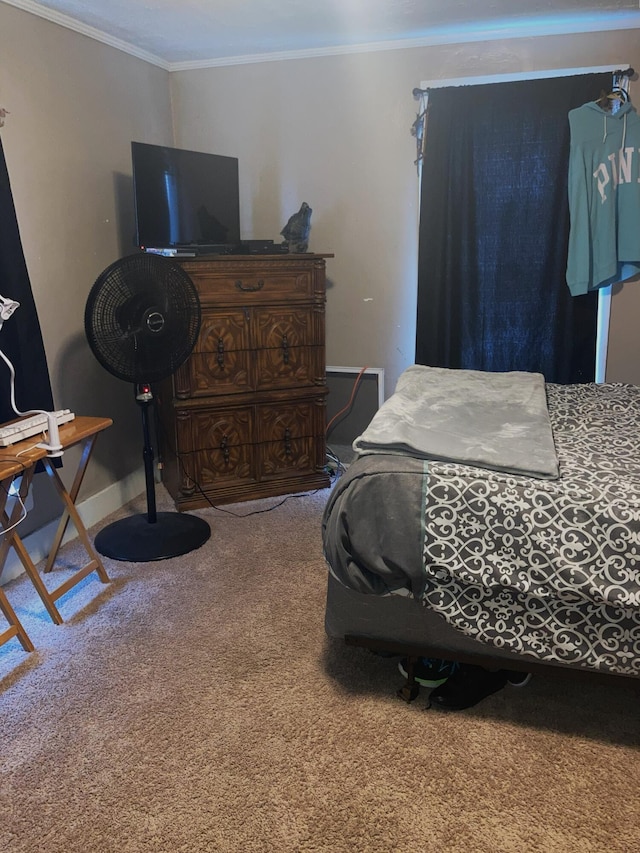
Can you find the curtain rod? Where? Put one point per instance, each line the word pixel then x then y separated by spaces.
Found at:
pixel 474 79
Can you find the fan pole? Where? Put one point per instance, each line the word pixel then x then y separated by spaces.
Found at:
pixel 147 455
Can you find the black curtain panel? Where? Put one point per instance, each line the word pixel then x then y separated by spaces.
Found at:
pixel 494 231
pixel 20 336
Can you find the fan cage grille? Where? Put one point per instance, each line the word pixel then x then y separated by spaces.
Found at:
pixel 142 318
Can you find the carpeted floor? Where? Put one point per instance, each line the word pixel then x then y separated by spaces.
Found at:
pixel 195 704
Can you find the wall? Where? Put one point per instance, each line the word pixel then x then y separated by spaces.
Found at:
pixel 335 132
pixel 75 105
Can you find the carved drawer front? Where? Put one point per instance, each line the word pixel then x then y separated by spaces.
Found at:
pixel 221 359
pixel 214 471
pixel 249 283
pixel 218 444
pixel 224 329
pixel 280 327
pixel 278 459
pixel 286 434
pixel 301 366
pixel 286 355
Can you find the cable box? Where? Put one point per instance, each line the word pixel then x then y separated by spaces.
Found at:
pixel 262 247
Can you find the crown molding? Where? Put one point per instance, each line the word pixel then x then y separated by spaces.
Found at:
pixel 471 32
pixel 85 30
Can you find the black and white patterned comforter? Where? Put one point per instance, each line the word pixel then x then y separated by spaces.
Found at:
pixel 542 567
pixel 547 568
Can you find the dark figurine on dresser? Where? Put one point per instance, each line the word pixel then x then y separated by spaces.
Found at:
pixel 296 231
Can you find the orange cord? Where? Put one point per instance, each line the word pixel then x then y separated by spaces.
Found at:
pixel 350 403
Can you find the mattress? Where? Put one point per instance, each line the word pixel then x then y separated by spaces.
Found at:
pixel 542 568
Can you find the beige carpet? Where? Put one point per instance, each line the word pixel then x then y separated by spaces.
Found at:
pixel 196 705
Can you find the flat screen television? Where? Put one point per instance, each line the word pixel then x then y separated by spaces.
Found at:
pixel 185 200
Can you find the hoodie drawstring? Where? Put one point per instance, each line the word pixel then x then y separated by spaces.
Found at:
pixel 624 129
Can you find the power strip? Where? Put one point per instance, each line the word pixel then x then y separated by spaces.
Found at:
pixel 31 425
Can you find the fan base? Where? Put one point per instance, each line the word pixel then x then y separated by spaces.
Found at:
pixel 135 539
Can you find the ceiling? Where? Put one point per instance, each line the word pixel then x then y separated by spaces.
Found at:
pixel 196 33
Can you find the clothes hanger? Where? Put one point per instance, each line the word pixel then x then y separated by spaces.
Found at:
pixel 618 95
pixel 620 88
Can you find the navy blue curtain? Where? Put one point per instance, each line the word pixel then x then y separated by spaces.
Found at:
pixel 20 336
pixel 494 231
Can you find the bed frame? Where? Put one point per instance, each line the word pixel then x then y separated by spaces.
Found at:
pixel 397 625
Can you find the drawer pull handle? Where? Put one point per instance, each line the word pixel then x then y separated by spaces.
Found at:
pixel 224 447
pixel 220 357
pixel 249 288
pixel 285 349
pixel 287 442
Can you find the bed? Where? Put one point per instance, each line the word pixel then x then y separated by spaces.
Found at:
pixel 492 519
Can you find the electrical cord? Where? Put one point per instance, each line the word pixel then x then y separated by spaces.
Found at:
pixel 52 443
pixel 259 511
pixel 332 456
pixel 346 408
pixel 22 517
pixel 27 449
pixel 340 467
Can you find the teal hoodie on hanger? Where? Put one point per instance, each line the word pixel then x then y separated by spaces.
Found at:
pixel 604 197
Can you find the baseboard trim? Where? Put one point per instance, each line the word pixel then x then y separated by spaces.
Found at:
pixel 91 511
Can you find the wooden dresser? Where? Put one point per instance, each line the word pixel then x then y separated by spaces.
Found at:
pixel 244 417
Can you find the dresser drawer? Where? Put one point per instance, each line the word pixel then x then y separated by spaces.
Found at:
pixel 282 422
pixel 279 459
pixel 247 283
pixel 229 374
pixel 209 428
pixel 223 330
pixel 238 372
pixel 221 358
pixel 301 366
pixel 216 468
pixel 216 446
pixel 286 327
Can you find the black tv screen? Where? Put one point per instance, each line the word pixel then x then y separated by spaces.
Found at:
pixel 184 199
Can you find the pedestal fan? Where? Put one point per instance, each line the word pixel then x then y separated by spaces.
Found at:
pixel 142 320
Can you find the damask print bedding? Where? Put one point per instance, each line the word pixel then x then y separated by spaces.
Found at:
pixel 547 569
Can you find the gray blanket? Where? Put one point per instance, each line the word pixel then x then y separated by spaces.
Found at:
pixel 489 420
